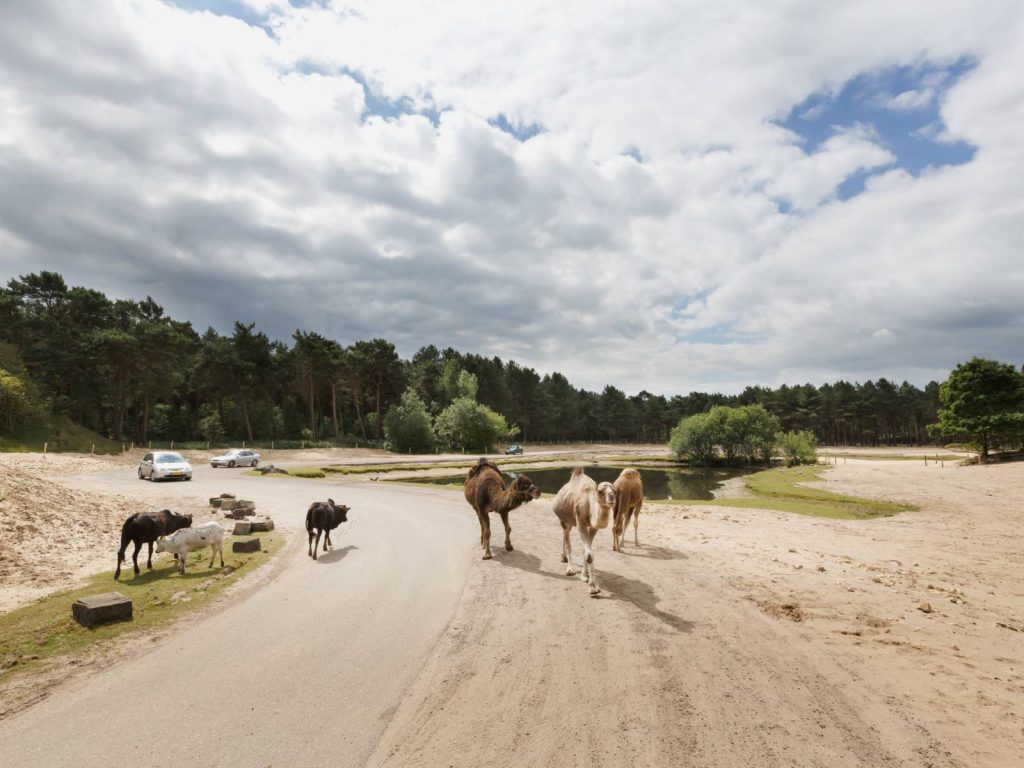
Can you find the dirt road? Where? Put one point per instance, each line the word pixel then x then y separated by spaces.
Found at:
pixel 729 637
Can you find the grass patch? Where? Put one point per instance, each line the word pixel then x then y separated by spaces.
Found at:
pixel 890 457
pixel 778 489
pixel 308 472
pixel 61 434
pixel 43 629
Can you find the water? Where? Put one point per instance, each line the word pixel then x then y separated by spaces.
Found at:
pixel 659 483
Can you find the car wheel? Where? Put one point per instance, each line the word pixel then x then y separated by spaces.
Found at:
pixel 254 462
pixel 188 478
pixel 231 463
pixel 140 474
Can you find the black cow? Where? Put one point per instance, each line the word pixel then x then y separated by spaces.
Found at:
pixel 145 528
pixel 324 517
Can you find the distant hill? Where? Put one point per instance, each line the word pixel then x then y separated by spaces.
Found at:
pixel 60 434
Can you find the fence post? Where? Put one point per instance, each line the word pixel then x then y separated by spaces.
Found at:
pixel 172 445
pixel 45 446
pixel 271 445
pixel 94 448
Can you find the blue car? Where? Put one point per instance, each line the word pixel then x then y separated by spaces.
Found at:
pixel 514 450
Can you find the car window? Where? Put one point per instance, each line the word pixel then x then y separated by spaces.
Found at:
pixel 148 457
pixel 169 458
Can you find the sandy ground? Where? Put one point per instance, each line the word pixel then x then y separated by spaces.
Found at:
pixel 729 637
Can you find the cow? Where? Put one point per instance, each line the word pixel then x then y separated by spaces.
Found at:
pixel 188 539
pixel 324 517
pixel 145 528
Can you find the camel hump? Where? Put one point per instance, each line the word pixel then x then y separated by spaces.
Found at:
pixel 480 466
pixel 577 471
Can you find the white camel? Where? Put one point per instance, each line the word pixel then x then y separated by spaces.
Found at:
pixel 582 502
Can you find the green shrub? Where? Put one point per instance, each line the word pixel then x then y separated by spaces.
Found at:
pixel 407 425
pixel 797 447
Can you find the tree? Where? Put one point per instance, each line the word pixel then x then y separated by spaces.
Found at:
pixel 982 400
pixel 797 447
pixel 407 425
pixel 467 424
pixel 695 436
pixel 14 401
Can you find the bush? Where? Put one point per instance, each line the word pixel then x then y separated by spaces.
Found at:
pixel 407 425
pixel 797 447
pixel 467 424
pixel 747 431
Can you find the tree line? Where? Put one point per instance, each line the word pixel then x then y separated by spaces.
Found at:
pixel 127 370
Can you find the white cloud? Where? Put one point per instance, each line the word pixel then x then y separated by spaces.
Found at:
pixel 146 149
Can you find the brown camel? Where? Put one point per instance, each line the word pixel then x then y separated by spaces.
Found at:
pixel 629 497
pixel 486 493
pixel 582 502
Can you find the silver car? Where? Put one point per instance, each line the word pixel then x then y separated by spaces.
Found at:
pixel 236 457
pixel 160 465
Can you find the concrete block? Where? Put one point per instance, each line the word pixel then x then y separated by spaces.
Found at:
pixel 252 544
pixel 239 512
pixel 99 609
pixel 216 502
pixel 242 528
pixel 262 524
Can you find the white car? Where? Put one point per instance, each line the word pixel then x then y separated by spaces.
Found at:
pixel 161 465
pixel 236 457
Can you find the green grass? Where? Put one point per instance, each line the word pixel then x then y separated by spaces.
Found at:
pixel 44 629
pixel 778 489
pixel 61 434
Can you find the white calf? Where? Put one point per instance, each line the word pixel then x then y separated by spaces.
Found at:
pixel 186 540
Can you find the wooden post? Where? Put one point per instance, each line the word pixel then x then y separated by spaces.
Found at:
pixel 243 443
pixel 172 445
pixel 133 445
pixel 271 445
pixel 45 446
pixel 94 448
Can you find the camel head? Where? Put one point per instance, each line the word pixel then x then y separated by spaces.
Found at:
pixel 524 489
pixel 606 494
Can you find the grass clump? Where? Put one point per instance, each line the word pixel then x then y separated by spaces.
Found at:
pixel 779 489
pixel 309 472
pixel 44 629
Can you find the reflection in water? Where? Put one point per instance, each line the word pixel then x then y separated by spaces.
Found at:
pixel 659 482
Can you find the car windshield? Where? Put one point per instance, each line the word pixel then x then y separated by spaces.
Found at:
pixel 170 458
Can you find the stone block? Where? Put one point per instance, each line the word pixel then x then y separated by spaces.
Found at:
pixel 216 502
pixel 242 527
pixel 228 504
pixel 239 512
pixel 99 609
pixel 262 524
pixel 252 544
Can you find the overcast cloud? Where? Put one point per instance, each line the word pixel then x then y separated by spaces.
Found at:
pixel 630 194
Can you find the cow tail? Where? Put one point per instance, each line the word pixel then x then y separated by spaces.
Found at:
pixel 309 521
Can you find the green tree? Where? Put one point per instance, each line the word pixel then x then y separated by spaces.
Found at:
pixel 982 400
pixel 14 401
pixel 467 424
pixel 695 437
pixel 407 424
pixel 797 447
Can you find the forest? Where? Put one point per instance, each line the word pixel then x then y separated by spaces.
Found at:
pixel 130 372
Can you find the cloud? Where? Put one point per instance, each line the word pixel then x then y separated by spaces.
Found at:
pixel 661 232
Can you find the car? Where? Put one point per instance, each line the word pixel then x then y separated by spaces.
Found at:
pixel 236 457
pixel 514 450
pixel 161 465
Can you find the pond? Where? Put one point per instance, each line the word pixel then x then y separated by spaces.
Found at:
pixel 695 483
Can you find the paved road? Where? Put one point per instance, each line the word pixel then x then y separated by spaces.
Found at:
pixel 305 671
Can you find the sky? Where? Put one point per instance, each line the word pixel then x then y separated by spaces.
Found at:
pixel 670 196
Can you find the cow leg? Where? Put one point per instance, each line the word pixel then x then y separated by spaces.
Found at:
pixel 310 550
pixel 327 539
pixel 508 531
pixel 316 542
pixel 221 550
pixel 149 558
pixel 135 556
pixel 485 534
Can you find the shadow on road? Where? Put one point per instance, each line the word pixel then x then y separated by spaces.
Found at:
pixel 335 555
pixel 653 553
pixel 643 596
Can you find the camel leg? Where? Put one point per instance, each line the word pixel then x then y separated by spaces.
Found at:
pixel 636 525
pixel 485 535
pixel 508 531
pixel 567 552
pixel 617 527
pixel 589 574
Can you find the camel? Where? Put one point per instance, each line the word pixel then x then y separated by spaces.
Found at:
pixel 486 493
pixel 629 497
pixel 582 502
